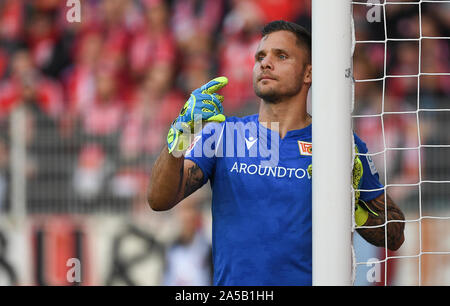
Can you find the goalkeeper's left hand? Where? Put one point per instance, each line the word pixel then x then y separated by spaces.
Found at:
pixel 357 174
pixel 361 208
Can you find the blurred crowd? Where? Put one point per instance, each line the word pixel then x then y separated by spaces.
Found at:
pixel 98 96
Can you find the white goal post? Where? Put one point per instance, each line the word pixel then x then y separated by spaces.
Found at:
pixel 332 142
pixel 423 259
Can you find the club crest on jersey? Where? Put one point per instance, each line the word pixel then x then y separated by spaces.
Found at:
pixel 305 148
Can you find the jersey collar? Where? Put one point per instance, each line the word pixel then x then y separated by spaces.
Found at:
pixel 306 131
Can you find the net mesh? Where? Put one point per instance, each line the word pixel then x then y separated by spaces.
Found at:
pixel 402 111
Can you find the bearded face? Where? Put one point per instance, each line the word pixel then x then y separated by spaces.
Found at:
pixel 280 67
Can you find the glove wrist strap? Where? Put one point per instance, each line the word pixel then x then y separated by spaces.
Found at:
pixel 177 141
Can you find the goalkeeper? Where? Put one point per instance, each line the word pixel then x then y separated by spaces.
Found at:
pixel 262 215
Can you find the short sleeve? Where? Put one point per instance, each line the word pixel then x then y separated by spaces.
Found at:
pixel 203 150
pixel 370 178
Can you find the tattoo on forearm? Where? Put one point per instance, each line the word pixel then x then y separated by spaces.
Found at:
pixel 194 180
pixel 376 236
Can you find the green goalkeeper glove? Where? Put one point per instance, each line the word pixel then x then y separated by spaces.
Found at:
pixel 361 214
pixel 204 104
pixel 357 174
pixel 361 208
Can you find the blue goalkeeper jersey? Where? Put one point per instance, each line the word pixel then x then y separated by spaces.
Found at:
pixel 261 200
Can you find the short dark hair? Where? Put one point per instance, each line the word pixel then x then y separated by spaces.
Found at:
pixel 303 36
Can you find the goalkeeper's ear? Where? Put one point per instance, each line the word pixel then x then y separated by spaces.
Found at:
pixel 307 76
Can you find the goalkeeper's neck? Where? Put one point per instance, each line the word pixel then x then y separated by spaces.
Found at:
pixel 290 113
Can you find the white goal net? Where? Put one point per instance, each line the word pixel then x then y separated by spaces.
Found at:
pixel 401 64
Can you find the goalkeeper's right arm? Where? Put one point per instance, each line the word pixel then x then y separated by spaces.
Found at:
pixel 173 178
